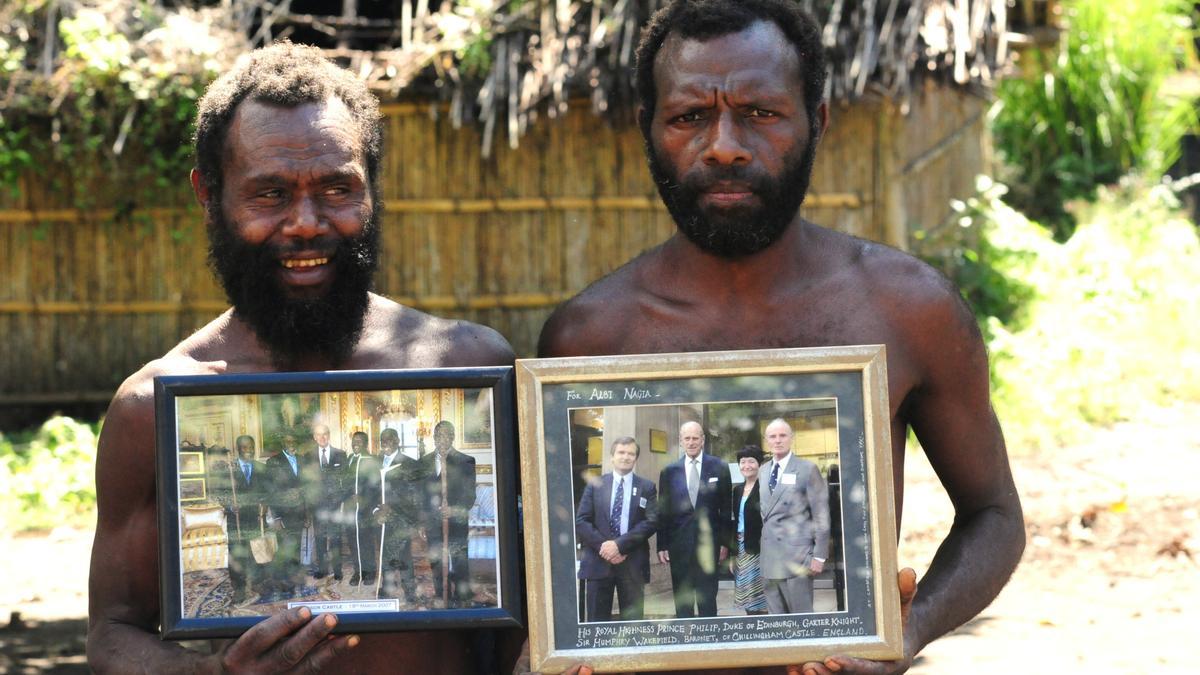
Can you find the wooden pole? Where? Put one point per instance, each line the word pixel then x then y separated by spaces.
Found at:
pixel 445 535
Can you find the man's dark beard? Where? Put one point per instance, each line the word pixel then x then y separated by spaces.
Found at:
pixel 737 231
pixel 288 327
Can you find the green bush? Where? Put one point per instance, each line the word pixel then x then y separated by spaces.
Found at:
pixel 1105 103
pixel 1109 323
pixel 47 477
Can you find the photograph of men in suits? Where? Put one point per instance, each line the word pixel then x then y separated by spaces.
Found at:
pixel 795 532
pixel 446 511
pixel 693 523
pixel 327 506
pixel 396 506
pixel 286 497
pixel 360 528
pixel 616 517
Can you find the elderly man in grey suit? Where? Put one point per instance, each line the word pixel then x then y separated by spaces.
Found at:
pixel 795 532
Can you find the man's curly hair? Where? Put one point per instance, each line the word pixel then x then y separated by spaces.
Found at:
pixel 707 19
pixel 290 75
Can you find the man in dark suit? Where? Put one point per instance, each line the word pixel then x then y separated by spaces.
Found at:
pixel 451 514
pixel 693 523
pixel 329 492
pixel 286 497
pixel 360 529
pixel 238 486
pixel 795 531
pixel 396 505
pixel 616 516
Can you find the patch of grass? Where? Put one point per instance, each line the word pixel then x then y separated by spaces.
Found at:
pixel 1107 101
pixel 1109 326
pixel 47 476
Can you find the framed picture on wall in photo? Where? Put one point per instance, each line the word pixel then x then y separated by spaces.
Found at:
pixel 349 492
pixel 757 528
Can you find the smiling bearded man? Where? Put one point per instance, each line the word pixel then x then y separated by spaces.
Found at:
pixel 288 151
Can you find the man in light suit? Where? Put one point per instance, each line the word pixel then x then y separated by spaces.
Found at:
pixel 795 532
pixel 329 489
pixel 616 516
pixel 693 523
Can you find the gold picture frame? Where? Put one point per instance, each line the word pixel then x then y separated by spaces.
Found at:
pixel 191 462
pixel 731 394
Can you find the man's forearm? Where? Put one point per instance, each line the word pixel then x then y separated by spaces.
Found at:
pixel 115 647
pixel 968 571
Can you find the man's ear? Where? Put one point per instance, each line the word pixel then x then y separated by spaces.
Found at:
pixel 200 188
pixel 644 120
pixel 822 120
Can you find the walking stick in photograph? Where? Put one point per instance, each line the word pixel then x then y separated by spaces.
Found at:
pixel 445 539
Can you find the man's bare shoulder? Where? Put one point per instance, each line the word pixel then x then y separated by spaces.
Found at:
pixel 926 315
pixel 397 336
pixel 195 355
pixel 584 324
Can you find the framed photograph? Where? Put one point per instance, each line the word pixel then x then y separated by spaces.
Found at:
pixel 191 490
pixel 191 463
pixel 765 534
pixel 350 492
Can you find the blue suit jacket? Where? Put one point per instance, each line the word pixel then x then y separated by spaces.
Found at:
pixel 592 527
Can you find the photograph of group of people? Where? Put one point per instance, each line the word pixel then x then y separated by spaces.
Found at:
pixel 704 510
pixel 356 501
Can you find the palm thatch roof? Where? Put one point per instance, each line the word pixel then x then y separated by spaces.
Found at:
pixel 508 63
pixel 503 63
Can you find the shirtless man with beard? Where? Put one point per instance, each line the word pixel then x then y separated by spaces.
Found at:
pixel 731 110
pixel 288 155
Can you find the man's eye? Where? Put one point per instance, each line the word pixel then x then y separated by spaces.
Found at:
pixel 759 112
pixel 271 194
pixel 687 117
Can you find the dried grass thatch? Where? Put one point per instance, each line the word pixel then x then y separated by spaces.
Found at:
pixel 502 63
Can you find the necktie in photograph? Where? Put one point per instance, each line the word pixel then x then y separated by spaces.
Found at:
pixel 694 481
pixel 614 519
pixel 774 478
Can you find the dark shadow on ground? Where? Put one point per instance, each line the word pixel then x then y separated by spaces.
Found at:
pixel 44 647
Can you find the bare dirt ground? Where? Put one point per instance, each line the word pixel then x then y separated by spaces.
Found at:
pixel 1110 581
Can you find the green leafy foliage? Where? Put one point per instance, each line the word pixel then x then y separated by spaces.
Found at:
pixel 1108 322
pixel 110 116
pixel 46 476
pixel 1106 102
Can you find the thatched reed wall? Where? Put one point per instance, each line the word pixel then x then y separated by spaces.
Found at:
pixel 87 298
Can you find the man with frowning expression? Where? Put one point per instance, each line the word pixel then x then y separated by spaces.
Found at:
pixel 732 112
pixel 288 154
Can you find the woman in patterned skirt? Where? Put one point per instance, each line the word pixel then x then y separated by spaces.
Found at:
pixel 748 582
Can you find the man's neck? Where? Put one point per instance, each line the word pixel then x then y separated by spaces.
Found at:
pixel 622 474
pixel 682 265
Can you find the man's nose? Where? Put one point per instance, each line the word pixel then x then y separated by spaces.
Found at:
pixel 306 221
pixel 725 142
